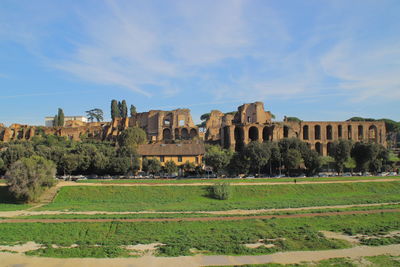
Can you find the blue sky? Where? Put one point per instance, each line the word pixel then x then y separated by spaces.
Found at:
pixel 317 60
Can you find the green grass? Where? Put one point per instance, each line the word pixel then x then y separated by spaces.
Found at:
pixel 7 202
pixel 81 252
pixel 377 261
pixel 232 180
pixel 213 237
pixel 196 198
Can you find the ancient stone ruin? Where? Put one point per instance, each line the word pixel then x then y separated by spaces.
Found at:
pixel 250 123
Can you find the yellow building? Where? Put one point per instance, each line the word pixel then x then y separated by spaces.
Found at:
pixel 178 153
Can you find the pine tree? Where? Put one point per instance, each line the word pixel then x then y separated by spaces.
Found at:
pixel 115 113
pixel 124 109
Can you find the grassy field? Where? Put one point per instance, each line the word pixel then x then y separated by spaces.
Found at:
pixel 196 198
pixel 233 180
pixel 7 203
pixel 375 261
pixel 213 237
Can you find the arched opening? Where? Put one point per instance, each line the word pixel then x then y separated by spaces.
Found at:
pixel 349 132
pixel 253 133
pixel 317 132
pixel 185 133
pixel 167 134
pixel 239 136
pixel 177 135
pixel 360 132
pixel 329 132
pixel 193 133
pixel 318 148
pixel 340 131
pixel 305 132
pixel 373 134
pixel 267 133
pixel 329 149
pixel 285 132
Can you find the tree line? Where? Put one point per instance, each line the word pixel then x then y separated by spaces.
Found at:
pixel 84 157
pixel 119 109
pixel 292 156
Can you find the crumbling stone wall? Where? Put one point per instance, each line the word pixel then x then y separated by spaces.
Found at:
pixel 156 123
pixel 252 123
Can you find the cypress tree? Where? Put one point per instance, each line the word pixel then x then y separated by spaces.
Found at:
pixel 124 109
pixel 133 110
pixel 60 117
pixel 55 121
pixel 115 113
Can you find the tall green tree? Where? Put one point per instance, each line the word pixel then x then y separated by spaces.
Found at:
pixel 123 109
pixel 133 110
pixel 217 158
pixel 115 113
pixel 132 137
pixel 27 178
pixel 341 153
pixel 60 117
pixel 258 155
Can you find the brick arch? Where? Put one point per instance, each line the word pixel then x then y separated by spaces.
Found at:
pixel 319 148
pixel 185 133
pixel 267 133
pixel 329 132
pixel 253 133
pixel 193 133
pixel 317 132
pixel 167 135
pixel 373 133
pixel 306 135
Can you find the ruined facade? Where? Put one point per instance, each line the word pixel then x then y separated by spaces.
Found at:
pixel 160 126
pixel 252 123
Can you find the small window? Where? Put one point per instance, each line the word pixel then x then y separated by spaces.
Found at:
pixel 167 122
pixel 179 158
pixel 181 122
pixel 197 160
pixel 161 158
pixel 248 119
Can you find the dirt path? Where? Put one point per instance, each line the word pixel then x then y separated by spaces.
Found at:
pixel 192 219
pixel 9 259
pixel 30 212
pixel 68 183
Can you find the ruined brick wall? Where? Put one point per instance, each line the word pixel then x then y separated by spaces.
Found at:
pixel 156 123
pixel 248 125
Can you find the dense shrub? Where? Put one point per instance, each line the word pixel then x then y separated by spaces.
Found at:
pixel 27 178
pixel 221 191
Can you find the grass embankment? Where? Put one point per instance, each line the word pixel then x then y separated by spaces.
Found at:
pixel 210 237
pixel 196 198
pixel 7 202
pixel 375 261
pixel 232 180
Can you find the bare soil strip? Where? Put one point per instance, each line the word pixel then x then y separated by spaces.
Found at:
pixel 295 257
pixel 29 212
pixel 67 183
pixel 233 218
